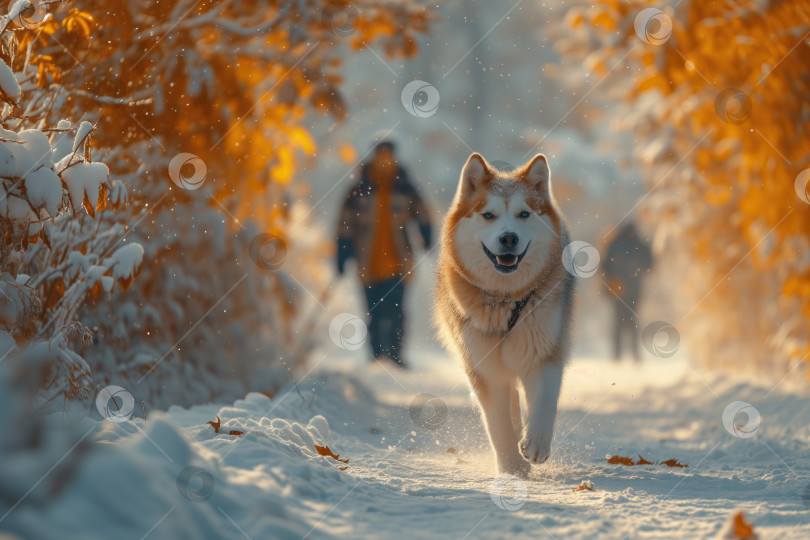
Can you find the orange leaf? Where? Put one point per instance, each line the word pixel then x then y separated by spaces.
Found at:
pixel 216 425
pixel 88 207
pixel 618 460
pixel 325 451
pixel 742 529
pixel 673 463
pixel 125 282
pixel 102 198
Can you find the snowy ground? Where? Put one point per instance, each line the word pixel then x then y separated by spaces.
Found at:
pixel 174 477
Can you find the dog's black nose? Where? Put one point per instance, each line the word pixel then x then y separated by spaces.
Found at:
pixel 508 240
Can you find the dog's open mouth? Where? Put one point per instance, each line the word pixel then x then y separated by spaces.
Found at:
pixel 505 263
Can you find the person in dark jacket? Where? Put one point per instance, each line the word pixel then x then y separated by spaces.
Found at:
pixel 373 230
pixel 628 260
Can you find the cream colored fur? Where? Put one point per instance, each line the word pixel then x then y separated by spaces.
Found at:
pixel 475 300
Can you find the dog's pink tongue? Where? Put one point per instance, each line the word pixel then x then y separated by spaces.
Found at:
pixel 506 260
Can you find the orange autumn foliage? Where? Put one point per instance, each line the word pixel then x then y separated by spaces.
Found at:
pixel 720 120
pixel 230 82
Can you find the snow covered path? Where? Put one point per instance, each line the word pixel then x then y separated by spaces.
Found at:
pixel 174 477
pixel 402 476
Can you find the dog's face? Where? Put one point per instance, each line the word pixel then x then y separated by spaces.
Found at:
pixel 504 227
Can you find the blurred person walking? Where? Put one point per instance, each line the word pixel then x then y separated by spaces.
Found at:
pixel 373 230
pixel 628 260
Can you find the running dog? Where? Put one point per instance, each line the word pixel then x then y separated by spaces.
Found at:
pixel 504 302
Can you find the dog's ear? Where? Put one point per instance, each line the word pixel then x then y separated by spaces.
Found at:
pixel 537 174
pixel 475 172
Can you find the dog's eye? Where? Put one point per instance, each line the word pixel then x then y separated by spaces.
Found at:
pixel 488 215
pixel 524 214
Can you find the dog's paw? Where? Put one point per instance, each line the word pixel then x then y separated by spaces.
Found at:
pixel 536 448
pixel 515 466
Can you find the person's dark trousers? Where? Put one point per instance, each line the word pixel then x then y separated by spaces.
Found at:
pixel 386 326
pixel 625 323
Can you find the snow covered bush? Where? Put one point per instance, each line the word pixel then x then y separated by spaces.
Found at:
pixel 229 84
pixel 56 248
pixel 203 321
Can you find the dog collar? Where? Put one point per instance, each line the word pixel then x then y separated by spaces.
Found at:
pixel 517 310
pixel 520 304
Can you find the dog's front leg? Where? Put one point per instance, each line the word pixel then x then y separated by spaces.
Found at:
pixel 542 386
pixel 494 397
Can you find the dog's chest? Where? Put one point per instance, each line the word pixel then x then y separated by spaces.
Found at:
pixel 533 334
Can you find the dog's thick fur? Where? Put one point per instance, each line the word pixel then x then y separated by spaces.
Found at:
pixel 501 246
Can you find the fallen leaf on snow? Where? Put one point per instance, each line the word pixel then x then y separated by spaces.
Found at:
pixel 451 450
pixel 217 424
pixel 738 529
pixel 620 460
pixel 586 485
pixel 325 451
